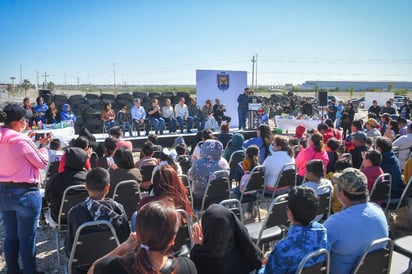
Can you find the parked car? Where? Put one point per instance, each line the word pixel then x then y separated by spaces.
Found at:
pixel 358 103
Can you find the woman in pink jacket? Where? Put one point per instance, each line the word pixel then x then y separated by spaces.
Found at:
pixel 314 150
pixel 20 199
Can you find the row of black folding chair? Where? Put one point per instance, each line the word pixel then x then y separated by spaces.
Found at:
pixel 71 197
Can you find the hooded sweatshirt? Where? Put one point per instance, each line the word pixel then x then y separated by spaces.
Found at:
pixel 211 160
pixel 73 174
pixel 237 144
pixel 21 157
pixel 66 115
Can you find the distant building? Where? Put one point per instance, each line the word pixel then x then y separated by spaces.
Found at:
pixel 357 86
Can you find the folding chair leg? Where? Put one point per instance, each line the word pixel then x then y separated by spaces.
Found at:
pixel 58 249
pixel 258 210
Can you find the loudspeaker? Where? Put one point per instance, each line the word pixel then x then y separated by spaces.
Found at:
pixel 323 98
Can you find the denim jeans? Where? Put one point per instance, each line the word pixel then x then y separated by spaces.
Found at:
pixel 127 126
pixel 242 117
pixel 158 123
pixel 181 122
pixel 20 211
pixel 172 123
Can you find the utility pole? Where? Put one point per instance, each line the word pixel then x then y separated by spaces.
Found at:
pixel 253 71
pixel 21 76
pixel 37 78
pixel 114 75
pixel 256 71
pixel 45 79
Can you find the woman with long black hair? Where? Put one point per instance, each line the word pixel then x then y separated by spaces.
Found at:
pixel 146 251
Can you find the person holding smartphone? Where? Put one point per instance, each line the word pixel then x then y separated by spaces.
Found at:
pixel 19 188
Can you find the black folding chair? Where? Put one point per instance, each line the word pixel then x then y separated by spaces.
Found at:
pixel 325 201
pixel 71 197
pixel 254 187
pixel 376 258
pixel 129 195
pixel 184 234
pixel 286 178
pixel 236 157
pixel 188 186
pixel 92 240
pixel 407 193
pixel 381 189
pixel 217 190
pixel 321 267
pixel 235 206
pixel 274 226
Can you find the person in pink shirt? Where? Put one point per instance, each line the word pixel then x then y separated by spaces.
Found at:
pixel 371 166
pixel 19 188
pixel 314 150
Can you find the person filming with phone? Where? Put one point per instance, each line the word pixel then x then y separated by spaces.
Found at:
pixel 19 188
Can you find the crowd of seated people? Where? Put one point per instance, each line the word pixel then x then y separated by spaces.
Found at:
pixel 227 248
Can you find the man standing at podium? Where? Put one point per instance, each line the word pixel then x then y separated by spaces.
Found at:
pixel 242 108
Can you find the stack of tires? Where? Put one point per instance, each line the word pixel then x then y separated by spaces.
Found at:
pixel 185 95
pixel 46 94
pixel 124 99
pixel 60 100
pixel 78 104
pixel 92 113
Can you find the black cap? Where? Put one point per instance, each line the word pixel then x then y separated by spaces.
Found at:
pixel 13 112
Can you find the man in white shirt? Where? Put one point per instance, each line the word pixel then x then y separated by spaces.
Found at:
pixel 182 115
pixel 138 115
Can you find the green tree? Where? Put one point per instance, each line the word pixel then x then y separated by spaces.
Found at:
pixel 10 87
pixel 351 90
pixel 51 85
pixel 316 90
pixel 390 87
pixel 26 85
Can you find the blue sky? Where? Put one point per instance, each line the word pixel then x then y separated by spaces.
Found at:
pixel 164 42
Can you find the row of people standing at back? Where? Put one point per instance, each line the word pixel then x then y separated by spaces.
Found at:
pixel 158 116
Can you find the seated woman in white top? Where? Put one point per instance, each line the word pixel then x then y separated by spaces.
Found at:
pixel 282 154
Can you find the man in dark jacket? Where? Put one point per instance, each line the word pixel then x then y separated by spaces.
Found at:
pixel 97 207
pixel 73 174
pixel 359 140
pixel 390 164
pixel 196 112
pixel 242 109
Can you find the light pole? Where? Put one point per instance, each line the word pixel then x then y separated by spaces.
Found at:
pixel 114 75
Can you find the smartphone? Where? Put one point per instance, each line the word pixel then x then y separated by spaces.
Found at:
pixel 110 161
pixel 38 136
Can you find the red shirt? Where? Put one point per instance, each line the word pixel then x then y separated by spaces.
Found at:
pixel 87 165
pixel 332 132
pixel 372 173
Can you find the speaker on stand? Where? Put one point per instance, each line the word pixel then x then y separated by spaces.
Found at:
pixel 322 100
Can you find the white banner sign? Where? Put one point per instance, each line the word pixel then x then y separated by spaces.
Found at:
pixel 224 85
